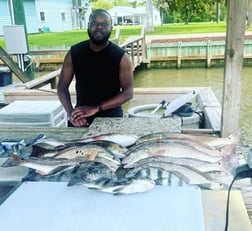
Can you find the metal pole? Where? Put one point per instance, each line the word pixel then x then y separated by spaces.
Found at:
pixel 11 11
pixel 18 18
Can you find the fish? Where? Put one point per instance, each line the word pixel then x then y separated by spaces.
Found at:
pixel 43 166
pixel 90 151
pixel 210 141
pixel 188 174
pixel 90 171
pixel 49 163
pixel 160 177
pixel 136 186
pixel 198 164
pixel 47 144
pixel 112 147
pixel 121 186
pixel 172 148
pixel 125 140
pixel 63 175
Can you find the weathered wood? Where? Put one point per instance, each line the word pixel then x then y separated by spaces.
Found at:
pixel 29 133
pixel 47 78
pixel 206 100
pixel 136 50
pixel 13 66
pixel 233 66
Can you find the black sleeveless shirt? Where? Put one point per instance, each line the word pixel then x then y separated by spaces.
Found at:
pixel 96 73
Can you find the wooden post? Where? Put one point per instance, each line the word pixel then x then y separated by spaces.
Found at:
pixel 209 53
pixel 13 66
pixel 179 54
pixel 236 15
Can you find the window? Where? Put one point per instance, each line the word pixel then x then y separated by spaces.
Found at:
pixel 63 16
pixel 42 16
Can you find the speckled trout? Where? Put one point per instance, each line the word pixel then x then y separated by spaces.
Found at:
pixel 51 165
pixel 209 141
pixel 89 150
pixel 197 164
pixel 44 145
pixel 79 149
pixel 172 148
pixel 43 166
pixel 125 140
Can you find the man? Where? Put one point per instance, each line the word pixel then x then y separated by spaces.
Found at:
pixel 103 74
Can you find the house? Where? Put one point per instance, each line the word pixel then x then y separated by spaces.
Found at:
pixel 49 15
pixel 123 15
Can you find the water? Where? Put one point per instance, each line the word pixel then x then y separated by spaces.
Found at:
pixel 201 77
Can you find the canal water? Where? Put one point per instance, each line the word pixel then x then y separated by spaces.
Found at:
pixel 201 77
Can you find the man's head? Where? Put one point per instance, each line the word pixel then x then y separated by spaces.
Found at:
pixel 99 26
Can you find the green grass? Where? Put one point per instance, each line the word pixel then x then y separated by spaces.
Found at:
pixel 68 38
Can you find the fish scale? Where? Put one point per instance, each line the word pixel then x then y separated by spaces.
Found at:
pixel 209 141
pixel 185 173
pixel 160 177
pixel 169 148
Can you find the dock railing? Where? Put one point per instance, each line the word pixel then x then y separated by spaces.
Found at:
pixel 136 49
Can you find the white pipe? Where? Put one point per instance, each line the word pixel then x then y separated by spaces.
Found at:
pixel 11 12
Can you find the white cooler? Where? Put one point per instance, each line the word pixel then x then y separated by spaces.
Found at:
pixel 33 113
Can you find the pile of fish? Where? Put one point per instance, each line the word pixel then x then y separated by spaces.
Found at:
pixel 126 164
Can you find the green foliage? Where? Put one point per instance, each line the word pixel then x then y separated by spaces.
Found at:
pixel 188 11
pixel 192 28
pixel 102 4
pixel 107 4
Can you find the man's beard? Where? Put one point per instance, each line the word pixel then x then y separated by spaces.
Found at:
pixel 98 41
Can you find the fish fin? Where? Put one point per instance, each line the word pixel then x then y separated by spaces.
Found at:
pixel 38 151
pixel 74 181
pixel 118 192
pixel 230 149
pixel 235 137
pixel 13 160
pixel 94 188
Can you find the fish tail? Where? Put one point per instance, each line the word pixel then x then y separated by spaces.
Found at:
pixel 235 137
pixel 231 161
pixel 119 191
pixel 230 149
pixel 13 160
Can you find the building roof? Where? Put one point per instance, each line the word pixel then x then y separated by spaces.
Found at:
pixel 119 11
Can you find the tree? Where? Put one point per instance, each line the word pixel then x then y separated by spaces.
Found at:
pixel 195 9
pixel 149 16
pixel 101 4
pixel 190 8
pixel 163 6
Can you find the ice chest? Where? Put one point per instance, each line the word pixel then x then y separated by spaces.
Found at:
pixel 5 76
pixel 33 113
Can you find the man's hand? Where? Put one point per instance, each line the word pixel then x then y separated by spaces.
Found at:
pixel 83 112
pixel 79 114
pixel 79 122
